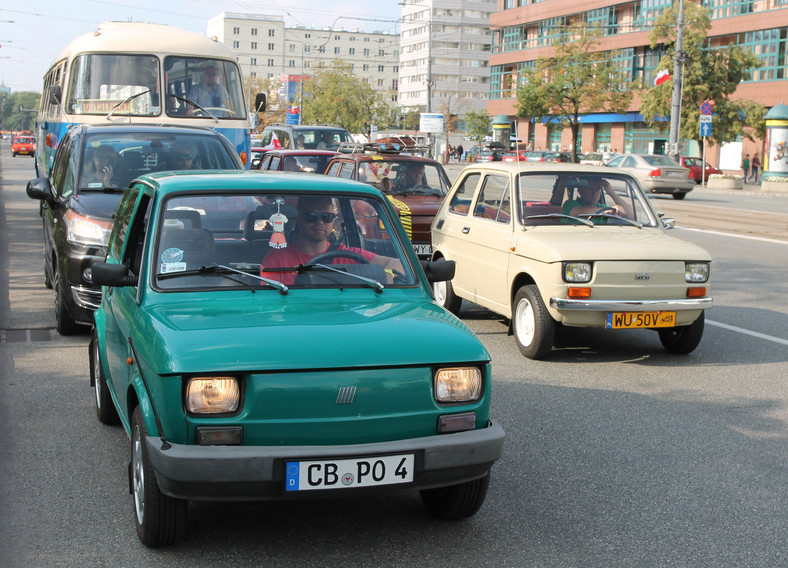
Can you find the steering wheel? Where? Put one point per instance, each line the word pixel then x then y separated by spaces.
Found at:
pixel 221 111
pixel 332 254
pixel 603 209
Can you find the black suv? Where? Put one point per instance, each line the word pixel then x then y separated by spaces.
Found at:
pixel 92 166
pixel 315 136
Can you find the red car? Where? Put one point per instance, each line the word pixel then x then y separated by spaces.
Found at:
pixel 312 161
pixel 23 145
pixel 694 165
pixel 415 186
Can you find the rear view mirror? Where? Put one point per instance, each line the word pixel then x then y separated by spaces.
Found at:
pixel 259 102
pixel 113 275
pixel 39 188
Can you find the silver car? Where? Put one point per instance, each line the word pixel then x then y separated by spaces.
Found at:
pixel 656 173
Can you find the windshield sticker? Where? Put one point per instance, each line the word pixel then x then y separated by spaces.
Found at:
pixel 167 267
pixel 94 184
pixel 172 255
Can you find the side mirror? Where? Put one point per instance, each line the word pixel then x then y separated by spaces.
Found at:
pixel 40 189
pixel 438 270
pixel 113 275
pixel 668 222
pixel 259 102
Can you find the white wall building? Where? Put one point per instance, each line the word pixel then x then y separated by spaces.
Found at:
pixel 267 49
pixel 445 45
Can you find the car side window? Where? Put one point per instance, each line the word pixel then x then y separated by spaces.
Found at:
pixel 346 170
pixel 461 200
pixel 273 164
pixel 63 169
pixel 333 169
pixel 629 162
pixel 122 219
pixel 493 202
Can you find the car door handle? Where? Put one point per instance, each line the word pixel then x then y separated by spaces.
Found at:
pixel 466 230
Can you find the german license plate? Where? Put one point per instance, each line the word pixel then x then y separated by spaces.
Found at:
pixel 422 249
pixel 633 320
pixel 348 473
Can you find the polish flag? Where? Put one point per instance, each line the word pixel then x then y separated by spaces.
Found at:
pixel 661 77
pixel 274 144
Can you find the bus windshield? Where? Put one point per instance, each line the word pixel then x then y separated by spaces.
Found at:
pixel 126 84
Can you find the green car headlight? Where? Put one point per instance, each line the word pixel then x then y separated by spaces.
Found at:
pixel 577 272
pixel 212 395
pixel 458 384
pixel 696 272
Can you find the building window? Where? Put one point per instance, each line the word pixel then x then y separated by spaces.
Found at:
pixel 771 48
pixel 254 45
pixel 336 51
pixel 381 53
pixel 236 44
pixel 381 68
pixel 321 49
pixel 351 51
pixel 365 67
pixel 271 47
pixel 253 61
pixel 254 31
pixel 253 74
pixel 366 52
pixel 236 31
pixel 291 63
pixel 270 62
pixel 292 47
pixel 271 33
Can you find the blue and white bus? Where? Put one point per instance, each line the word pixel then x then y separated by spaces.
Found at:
pixel 133 73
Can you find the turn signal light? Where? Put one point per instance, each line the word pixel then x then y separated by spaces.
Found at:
pixel 579 293
pixel 696 292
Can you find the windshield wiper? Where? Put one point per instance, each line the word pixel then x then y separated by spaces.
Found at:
pixel 561 216
pixel 372 283
pixel 123 102
pixel 222 270
pixel 637 224
pixel 191 102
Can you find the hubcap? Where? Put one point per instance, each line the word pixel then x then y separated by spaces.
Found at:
pixel 526 322
pixel 138 475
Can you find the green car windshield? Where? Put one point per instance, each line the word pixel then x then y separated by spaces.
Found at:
pixel 279 241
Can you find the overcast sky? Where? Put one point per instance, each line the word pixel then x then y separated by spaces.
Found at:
pixel 33 33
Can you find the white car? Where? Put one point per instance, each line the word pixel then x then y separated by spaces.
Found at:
pixel 530 246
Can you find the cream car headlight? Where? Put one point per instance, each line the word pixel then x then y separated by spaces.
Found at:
pixel 696 272
pixel 212 395
pixel 577 272
pixel 458 384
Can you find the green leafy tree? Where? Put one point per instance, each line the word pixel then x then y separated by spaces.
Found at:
pixel 335 95
pixel 477 125
pixel 710 74
pixel 12 118
pixel 579 79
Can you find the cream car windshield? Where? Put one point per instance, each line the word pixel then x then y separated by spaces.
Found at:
pixel 562 198
pixel 219 241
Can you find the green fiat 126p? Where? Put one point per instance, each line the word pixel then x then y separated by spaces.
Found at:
pixel 272 336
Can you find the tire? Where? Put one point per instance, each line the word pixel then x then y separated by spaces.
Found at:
pixel 160 520
pixel 64 323
pixel 683 339
pixel 445 296
pixel 105 407
pixel 532 325
pixel 456 501
pixel 679 195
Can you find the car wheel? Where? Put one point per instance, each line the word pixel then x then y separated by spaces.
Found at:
pixel 534 328
pixel 683 339
pixel 160 520
pixel 456 501
pixel 679 195
pixel 105 407
pixel 445 296
pixel 64 323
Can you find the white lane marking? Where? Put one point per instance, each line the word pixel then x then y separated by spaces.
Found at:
pixel 748 332
pixel 724 234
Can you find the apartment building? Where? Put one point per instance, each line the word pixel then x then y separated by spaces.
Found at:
pixel 445 50
pixel 266 48
pixel 523 31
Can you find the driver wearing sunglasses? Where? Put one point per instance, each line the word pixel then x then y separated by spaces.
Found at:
pixel 183 156
pixel 315 223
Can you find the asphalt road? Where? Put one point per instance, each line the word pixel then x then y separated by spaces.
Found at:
pixel 617 453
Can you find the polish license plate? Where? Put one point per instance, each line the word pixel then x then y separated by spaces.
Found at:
pixel 348 473
pixel 634 320
pixel 422 249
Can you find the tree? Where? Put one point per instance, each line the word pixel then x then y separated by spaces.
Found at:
pixel 710 74
pixel 12 118
pixel 335 95
pixel 579 79
pixel 477 125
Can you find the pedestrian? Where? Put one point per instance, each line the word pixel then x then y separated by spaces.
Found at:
pixel 449 153
pixel 756 165
pixel 745 167
pixel 459 152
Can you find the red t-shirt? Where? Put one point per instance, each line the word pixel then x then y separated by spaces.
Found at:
pixel 292 256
